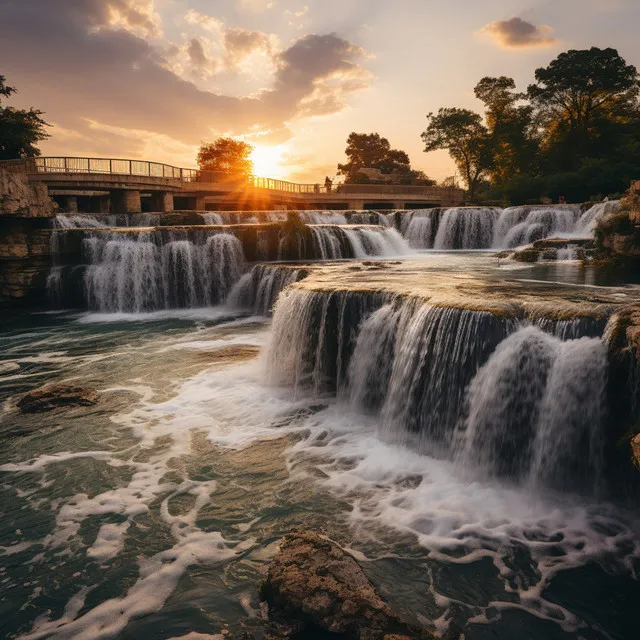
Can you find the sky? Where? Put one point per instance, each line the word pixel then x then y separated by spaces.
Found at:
pixel 152 79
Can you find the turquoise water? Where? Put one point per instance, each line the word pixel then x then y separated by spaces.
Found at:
pixel 154 513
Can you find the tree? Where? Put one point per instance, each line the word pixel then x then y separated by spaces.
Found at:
pixel 226 155
pixel 510 125
pixel 462 133
pixel 20 129
pixel 370 150
pixel 578 95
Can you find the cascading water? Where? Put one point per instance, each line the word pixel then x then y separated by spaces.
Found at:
pixel 536 409
pixel 491 228
pixel 259 289
pixel 466 228
pixel 136 273
pixel 516 400
pixel 421 227
pixel 342 242
pixel 590 218
pixel 102 221
pixel 517 226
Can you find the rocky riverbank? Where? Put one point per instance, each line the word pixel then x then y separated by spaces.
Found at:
pixel 25 232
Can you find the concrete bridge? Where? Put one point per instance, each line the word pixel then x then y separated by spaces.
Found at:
pixel 113 185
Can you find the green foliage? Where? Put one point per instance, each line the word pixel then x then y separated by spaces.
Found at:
pixel 461 132
pixel 370 150
pixel 226 155
pixel 20 129
pixel 575 133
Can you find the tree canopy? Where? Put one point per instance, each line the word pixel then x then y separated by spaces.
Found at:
pixel 20 129
pixel 575 132
pixel 461 132
pixel 372 151
pixel 226 155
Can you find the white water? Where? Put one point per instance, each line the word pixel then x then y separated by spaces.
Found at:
pixel 491 228
pixel 340 242
pixel 134 274
pixel 392 493
pixel 259 289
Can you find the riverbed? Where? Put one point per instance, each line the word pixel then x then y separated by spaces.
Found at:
pixel 154 513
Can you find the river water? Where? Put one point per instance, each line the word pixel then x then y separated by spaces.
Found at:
pixel 155 513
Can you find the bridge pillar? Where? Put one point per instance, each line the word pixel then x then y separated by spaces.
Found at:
pixel 199 203
pixel 125 201
pixel 71 204
pixel 358 205
pixel 104 204
pixel 162 201
pixel 398 204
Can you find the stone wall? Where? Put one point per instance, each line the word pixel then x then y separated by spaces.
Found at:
pixel 25 233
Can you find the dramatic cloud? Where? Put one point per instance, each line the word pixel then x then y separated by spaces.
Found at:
pixel 81 65
pixel 241 44
pixel 317 72
pixel 519 34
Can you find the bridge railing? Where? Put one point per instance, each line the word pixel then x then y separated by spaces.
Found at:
pixel 119 166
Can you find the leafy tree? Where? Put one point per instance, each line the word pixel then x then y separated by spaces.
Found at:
pixel 370 150
pixel 226 155
pixel 20 129
pixel 510 127
pixel 577 97
pixel 463 134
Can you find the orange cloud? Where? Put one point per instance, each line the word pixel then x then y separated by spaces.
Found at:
pixel 517 33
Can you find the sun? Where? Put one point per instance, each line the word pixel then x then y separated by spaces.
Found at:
pixel 268 161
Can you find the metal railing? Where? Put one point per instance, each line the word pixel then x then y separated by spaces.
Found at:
pixel 141 168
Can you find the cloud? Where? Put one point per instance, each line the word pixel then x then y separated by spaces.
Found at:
pixel 78 65
pixel 206 22
pixel 242 44
pixel 318 71
pixel 297 18
pixel 256 6
pixel 517 33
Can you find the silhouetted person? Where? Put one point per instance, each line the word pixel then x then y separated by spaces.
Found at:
pixel 328 184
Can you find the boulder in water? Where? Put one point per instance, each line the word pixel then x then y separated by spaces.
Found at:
pixel 54 396
pixel 314 586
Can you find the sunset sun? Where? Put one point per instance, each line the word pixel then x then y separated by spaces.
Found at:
pixel 268 162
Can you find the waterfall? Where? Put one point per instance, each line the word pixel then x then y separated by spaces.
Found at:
pixel 341 242
pixel 136 273
pixel 491 228
pixel 590 218
pixel 489 391
pixel 322 217
pixel 105 221
pixel 466 228
pixel 421 227
pixel 536 409
pixel 523 225
pixel 259 289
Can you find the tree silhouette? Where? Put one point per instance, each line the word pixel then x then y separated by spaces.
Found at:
pixel 20 129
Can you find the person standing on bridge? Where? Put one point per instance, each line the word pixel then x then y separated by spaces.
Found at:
pixel 328 183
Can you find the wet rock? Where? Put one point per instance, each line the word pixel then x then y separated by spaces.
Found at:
pixel 635 450
pixel 55 396
pixel 314 586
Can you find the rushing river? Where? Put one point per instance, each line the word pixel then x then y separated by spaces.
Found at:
pixel 154 513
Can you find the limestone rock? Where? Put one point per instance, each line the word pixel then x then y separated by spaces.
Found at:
pixel 313 585
pixel 20 197
pixel 54 396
